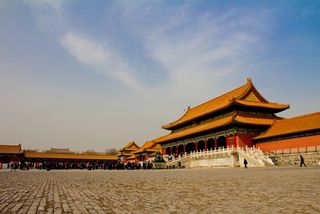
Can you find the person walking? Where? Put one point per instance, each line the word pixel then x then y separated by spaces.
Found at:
pixel 245 162
pixel 302 161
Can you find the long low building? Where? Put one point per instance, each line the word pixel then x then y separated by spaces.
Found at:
pixel 29 155
pixel 293 133
pixel 14 153
pixel 10 153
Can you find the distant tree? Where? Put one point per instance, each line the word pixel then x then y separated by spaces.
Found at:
pixel 112 151
pixel 90 151
pixel 31 150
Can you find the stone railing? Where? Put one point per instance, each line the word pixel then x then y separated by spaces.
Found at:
pixel 252 153
pixel 295 150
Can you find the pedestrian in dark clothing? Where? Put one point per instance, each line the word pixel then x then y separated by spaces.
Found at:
pixel 302 161
pixel 245 162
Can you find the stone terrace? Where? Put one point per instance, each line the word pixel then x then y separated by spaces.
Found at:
pixel 224 190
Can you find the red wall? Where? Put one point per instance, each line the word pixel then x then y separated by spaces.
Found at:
pixel 244 140
pixel 290 143
pixel 230 141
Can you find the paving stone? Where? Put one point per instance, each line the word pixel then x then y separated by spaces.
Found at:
pixel 17 207
pixel 266 190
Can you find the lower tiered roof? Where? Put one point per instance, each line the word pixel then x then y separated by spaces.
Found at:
pixel 214 124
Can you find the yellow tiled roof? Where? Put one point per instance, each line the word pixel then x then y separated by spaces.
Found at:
pixel 254 120
pixel 225 100
pixel 293 125
pixel 261 104
pixel 147 145
pixel 196 129
pixel 10 149
pixel 216 124
pixel 124 154
pixel 132 157
pixel 70 156
pixel 131 146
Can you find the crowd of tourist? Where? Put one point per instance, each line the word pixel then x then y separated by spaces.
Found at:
pixel 83 165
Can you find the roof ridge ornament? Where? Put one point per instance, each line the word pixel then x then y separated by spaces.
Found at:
pixel 249 80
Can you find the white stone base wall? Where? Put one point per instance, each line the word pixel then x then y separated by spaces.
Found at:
pixel 310 159
pixel 226 161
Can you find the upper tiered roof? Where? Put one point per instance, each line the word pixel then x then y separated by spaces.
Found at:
pixel 131 146
pixel 309 122
pixel 246 95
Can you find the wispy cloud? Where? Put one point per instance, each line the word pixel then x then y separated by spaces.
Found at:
pixel 105 60
pixel 198 51
pixel 49 15
pixel 100 58
pixel 195 51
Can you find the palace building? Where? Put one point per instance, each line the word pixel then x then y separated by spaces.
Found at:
pixel 127 152
pixel 233 119
pixel 147 151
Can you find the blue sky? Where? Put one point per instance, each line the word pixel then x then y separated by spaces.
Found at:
pixel 96 75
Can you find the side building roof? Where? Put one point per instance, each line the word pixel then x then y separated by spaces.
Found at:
pixel 70 156
pixel 10 149
pixel 246 95
pixel 303 123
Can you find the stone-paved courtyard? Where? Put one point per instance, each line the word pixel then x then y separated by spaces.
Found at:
pixel 260 190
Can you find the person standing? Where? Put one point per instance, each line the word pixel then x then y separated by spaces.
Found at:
pixel 302 161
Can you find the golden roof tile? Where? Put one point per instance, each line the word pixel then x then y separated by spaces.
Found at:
pixel 293 125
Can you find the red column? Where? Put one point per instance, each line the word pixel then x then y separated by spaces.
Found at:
pixel 235 141
pixel 205 145
pixel 164 151
pixel 215 143
pixel 196 147
pixel 170 150
pixel 184 148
